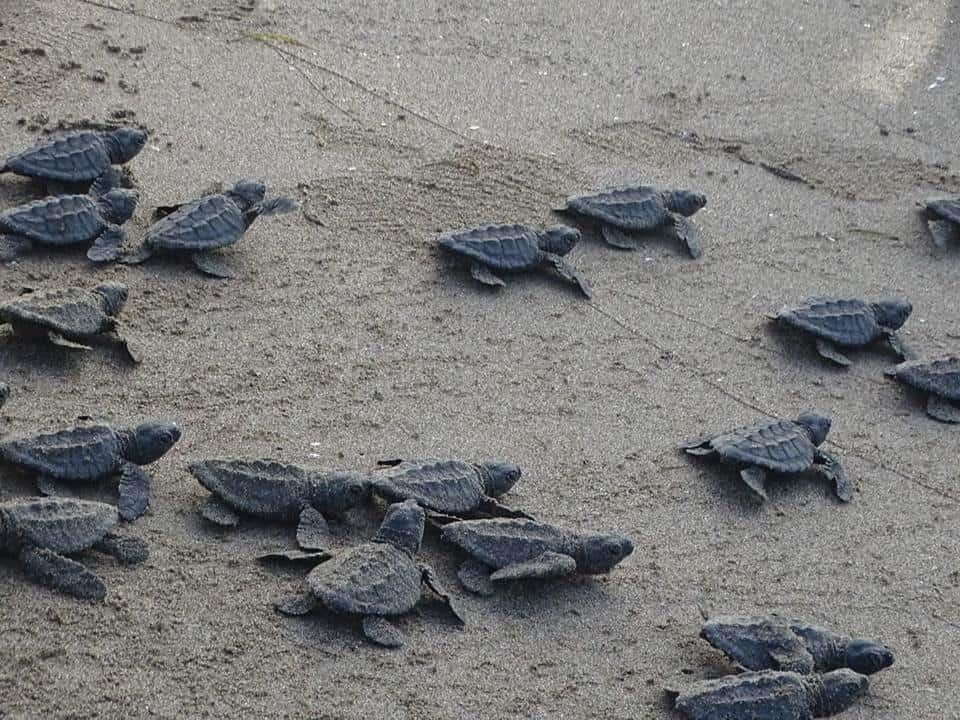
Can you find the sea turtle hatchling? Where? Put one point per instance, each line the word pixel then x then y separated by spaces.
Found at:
pixel 940 378
pixel 848 323
pixel 70 220
pixel 625 211
pixel 771 642
pixel 275 491
pixel 770 695
pixel 41 532
pixel 77 157
pixel 781 446
pixel 504 549
pixel 208 223
pixel 515 249
pixel 71 317
pixel 374 580
pixel 92 452
pixel 449 490
pixel 943 220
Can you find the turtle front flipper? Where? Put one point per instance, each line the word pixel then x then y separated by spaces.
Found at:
pixel 700 446
pixel 755 479
pixel 567 272
pixel 216 511
pixel 127 550
pixel 60 341
pixel 134 492
pixel 51 487
pixel 295 605
pixel 439 519
pixel 308 557
pixel 831 468
pixel 475 577
pixel 13 245
pixel 106 248
pixel 141 254
pixel 212 265
pixel 615 237
pixel 483 274
pixel 313 533
pixel 380 631
pixel 828 350
pixel 899 346
pixel 939 408
pixel 493 508
pixel 130 349
pixel 943 233
pixel 431 581
pixel 546 565
pixel 689 235
pixel 61 573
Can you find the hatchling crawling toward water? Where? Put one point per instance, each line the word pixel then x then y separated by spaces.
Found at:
pixel 515 249
pixel 77 157
pixel 623 212
pixel 848 323
pixel 943 220
pixel 375 580
pixel 71 317
pixel 94 452
pixel 515 549
pixel 41 532
pixel 275 491
pixel 208 223
pixel 940 378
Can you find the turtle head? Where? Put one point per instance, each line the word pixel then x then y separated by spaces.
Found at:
pixel 817 425
pixel 341 491
pixel 601 552
pixel 114 295
pixel 246 193
pixel 684 202
pixel 402 527
pixel 118 204
pixel 839 691
pixel 151 440
pixel 892 312
pixel 498 477
pixel 124 143
pixel 867 657
pixel 559 239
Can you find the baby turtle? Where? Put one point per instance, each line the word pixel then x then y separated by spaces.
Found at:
pixel 273 491
pixel 71 317
pixel 68 220
pixel 771 695
pixel 771 642
pixel 449 490
pixel 624 211
pixel 848 323
pixel 375 580
pixel 940 378
pixel 94 452
pixel 515 249
pixel 40 533
pixel 515 549
pixel 211 222
pixel 77 157
pixel 783 446
pixel 943 220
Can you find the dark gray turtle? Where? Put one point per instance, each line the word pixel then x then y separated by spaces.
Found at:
pixel 782 446
pixel 274 491
pixel 515 549
pixel 95 452
pixel 625 211
pixel 41 532
pixel 940 378
pixel 211 222
pixel 515 249
pixel 71 317
pixel 943 220
pixel 848 323
pixel 375 580
pixel 449 490
pixel 771 642
pixel 77 157
pixel 68 220
pixel 771 695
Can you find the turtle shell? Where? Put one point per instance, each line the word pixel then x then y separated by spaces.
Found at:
pixel 369 579
pixel 940 376
pixel 211 222
pixel 500 247
pixel 504 541
pixel 781 445
pixel 72 312
pixel 82 453
pixel 766 694
pixel 447 486
pixel 63 525
pixel 845 322
pixel 57 220
pixel 947 209
pixel 639 207
pixel 75 157
pixel 262 488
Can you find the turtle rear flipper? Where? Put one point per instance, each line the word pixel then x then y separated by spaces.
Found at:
pixel 828 350
pixel 313 533
pixel 615 237
pixel 431 581
pixel 61 573
pixel 831 468
pixel 13 245
pixel 380 631
pixel 216 511
pixel 483 274
pixel 212 264
pixel 106 248
pixel 755 479
pixel 939 408
pixel 475 577
pixel 546 565
pixel 127 550
pixel 689 235
pixel 295 605
pixel 565 271
pixel 134 492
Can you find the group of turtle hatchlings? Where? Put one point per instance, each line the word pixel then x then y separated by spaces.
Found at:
pixel 791 669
